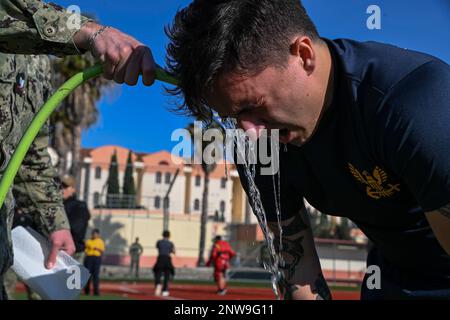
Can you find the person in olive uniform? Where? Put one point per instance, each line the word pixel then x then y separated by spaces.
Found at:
pixel 35 27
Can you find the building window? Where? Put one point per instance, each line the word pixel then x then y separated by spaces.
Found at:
pixel 167 178
pixel 157 202
pixel 222 207
pixel 158 177
pixel 98 172
pixel 196 204
pixel 198 180
pixel 96 199
pixel 223 183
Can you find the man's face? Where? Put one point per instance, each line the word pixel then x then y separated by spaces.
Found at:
pixel 95 235
pixel 276 98
pixel 68 191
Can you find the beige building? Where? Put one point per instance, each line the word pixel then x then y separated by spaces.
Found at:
pixel 153 174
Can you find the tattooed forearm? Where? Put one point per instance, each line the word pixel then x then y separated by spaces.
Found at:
pixel 300 265
pixel 320 288
pixel 293 251
pixel 292 246
pixel 294 225
pixel 445 211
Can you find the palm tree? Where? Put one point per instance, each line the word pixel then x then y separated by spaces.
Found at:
pixel 208 166
pixel 77 112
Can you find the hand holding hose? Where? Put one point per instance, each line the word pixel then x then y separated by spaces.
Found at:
pixel 123 57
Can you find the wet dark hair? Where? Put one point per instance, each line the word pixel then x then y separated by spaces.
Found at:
pixel 212 37
pixel 166 234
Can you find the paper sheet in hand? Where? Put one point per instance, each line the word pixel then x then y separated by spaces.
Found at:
pixel 63 282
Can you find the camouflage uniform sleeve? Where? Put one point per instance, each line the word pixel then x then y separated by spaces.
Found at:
pixel 36 27
pixel 37 189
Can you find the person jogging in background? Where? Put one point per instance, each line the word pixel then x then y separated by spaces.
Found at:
pixel 163 265
pixel 220 257
pixel 93 260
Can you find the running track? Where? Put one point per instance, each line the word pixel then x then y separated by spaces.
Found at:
pixel 144 291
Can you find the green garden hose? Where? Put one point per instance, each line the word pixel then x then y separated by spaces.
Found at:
pixel 43 115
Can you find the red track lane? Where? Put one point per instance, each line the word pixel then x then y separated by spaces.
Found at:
pixel 203 292
pixel 145 291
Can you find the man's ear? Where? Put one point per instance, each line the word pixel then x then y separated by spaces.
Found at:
pixel 303 48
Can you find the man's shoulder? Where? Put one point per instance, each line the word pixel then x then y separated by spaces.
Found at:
pixel 75 205
pixel 387 82
pixel 80 204
pixel 377 65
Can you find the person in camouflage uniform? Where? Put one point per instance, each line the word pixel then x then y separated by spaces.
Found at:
pixel 33 27
pixel 24 86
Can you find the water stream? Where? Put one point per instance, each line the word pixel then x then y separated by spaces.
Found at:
pixel 245 154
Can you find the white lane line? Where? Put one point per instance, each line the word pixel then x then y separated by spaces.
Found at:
pixel 129 290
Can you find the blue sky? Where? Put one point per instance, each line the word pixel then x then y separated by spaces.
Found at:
pixel 138 117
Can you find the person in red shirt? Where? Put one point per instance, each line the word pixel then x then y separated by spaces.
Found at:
pixel 220 257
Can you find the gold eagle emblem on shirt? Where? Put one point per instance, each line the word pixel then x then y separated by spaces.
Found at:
pixel 376 184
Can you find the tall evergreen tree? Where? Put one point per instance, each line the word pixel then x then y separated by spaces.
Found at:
pixel 129 190
pixel 113 193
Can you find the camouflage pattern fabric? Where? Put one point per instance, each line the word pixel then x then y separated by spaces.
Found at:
pixel 33 26
pixel 24 86
pixel 30 27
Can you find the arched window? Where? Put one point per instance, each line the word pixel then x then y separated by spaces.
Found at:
pixel 167 178
pixel 158 177
pixel 157 202
pixel 196 204
pixel 198 180
pixel 98 172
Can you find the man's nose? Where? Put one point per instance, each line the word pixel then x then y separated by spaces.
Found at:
pixel 252 127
